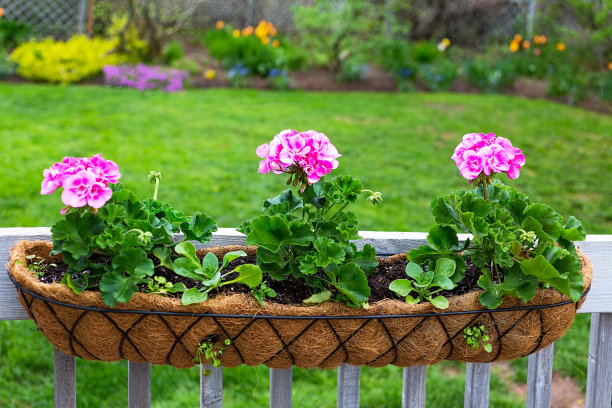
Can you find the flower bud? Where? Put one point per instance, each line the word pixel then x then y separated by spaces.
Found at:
pixel 375 198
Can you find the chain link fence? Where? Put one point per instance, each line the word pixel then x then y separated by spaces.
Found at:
pixel 58 18
pixel 468 22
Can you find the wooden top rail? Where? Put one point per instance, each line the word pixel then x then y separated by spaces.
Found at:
pixel 598 248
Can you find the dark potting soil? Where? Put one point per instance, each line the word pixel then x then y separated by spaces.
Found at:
pixel 290 290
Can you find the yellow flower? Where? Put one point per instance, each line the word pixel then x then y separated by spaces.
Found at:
pixel 514 46
pixel 539 39
pixel 1 12
pixel 276 43
pixel 446 42
pixel 560 47
pixel 265 40
pixel 262 30
pixel 247 31
pixel 518 38
pixel 525 44
pixel 272 29
pixel 220 24
pixel 210 74
pixel 236 33
pixel 610 65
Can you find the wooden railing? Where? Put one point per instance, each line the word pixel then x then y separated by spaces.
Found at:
pixel 599 376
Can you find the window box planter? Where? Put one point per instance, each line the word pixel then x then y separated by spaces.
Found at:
pixel 162 331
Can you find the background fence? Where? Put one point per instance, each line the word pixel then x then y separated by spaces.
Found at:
pixel 469 22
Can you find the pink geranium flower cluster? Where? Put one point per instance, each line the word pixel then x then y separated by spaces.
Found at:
pixel 293 152
pixel 85 181
pixel 485 153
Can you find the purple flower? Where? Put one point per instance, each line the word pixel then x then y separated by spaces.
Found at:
pixel 143 77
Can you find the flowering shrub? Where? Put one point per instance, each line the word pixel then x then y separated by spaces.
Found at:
pixel 519 245
pixel 259 49
pixel 539 57
pixel 64 62
pixel 306 235
pixel 144 77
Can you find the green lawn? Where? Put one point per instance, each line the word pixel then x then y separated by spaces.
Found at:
pixel 204 144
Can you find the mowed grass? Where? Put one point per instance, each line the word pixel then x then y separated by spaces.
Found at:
pixel 204 144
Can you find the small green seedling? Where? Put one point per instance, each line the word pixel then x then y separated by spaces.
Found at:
pixel 262 292
pixel 476 336
pixel 426 284
pixel 208 272
pixel 38 265
pixel 210 354
pixel 159 285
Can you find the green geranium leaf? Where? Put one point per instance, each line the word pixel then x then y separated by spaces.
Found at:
pixel 328 252
pixel 547 217
pixel 576 285
pixel 268 232
pixel 545 272
pixel 75 233
pixel 135 263
pixel 113 237
pixel 445 211
pixel 112 214
pixel 199 228
pixel 266 256
pixel 460 268
pixel 135 210
pixel 315 195
pixel 477 206
pixel 77 285
pixel 121 195
pixel 402 287
pixel 250 275
pixel 230 256
pixel 517 284
pixel 492 295
pixel 286 199
pixel 516 208
pixel 442 238
pixel 353 283
pixel 423 254
pixel 308 264
pixel 163 254
pixel 301 233
pixel 531 224
pixel 573 230
pixel 115 287
pixel 276 271
pixel 318 298
pixel 366 259
pixel 440 302
pixel 193 295
pixel 349 187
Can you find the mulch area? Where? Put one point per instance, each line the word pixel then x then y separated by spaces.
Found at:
pixel 375 80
